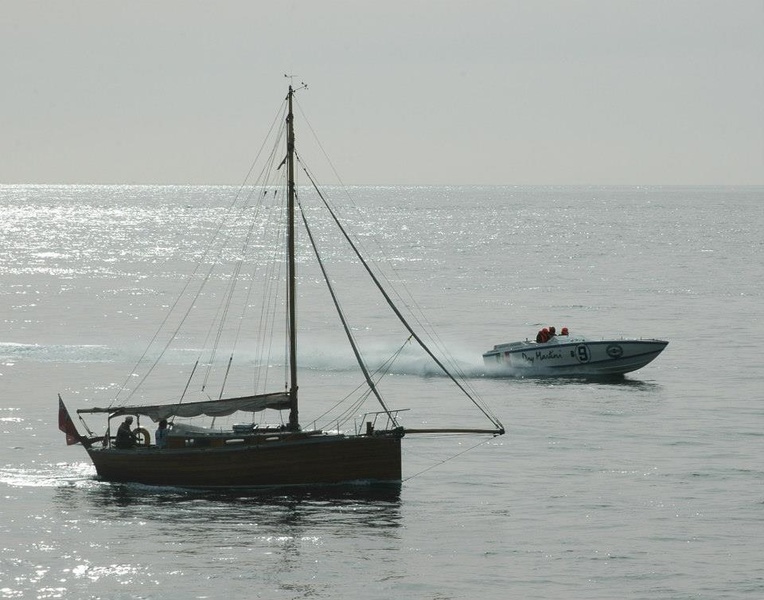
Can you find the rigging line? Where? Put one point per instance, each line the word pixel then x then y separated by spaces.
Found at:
pixel 269 165
pixel 161 328
pixel 173 336
pixel 269 297
pixel 378 374
pixel 428 328
pixel 345 325
pixel 346 415
pixel 192 276
pixel 179 297
pixel 242 315
pixel 267 168
pixel 250 288
pixel 272 236
pixel 225 377
pixel 267 319
pixel 188 383
pixel 267 322
pixel 420 318
pixel 359 402
pixel 397 312
pixel 221 318
pixel 445 460
pixel 350 198
pixel 226 303
pixel 320 145
pixel 191 305
pixel 279 118
pixel 423 323
pixel 344 188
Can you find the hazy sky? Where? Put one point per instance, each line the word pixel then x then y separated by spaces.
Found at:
pixel 400 91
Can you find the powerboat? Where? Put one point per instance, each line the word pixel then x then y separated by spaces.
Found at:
pixel 571 356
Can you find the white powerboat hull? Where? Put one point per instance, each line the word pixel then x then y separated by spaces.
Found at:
pixel 572 356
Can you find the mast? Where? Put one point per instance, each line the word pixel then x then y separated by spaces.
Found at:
pixel 294 423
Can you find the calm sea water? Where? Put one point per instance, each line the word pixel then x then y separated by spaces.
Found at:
pixel 651 487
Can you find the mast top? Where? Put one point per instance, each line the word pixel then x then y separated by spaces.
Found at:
pixel 292 89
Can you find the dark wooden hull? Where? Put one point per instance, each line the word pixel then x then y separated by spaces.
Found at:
pixel 301 460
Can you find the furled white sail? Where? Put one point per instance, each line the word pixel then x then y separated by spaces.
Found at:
pixel 210 408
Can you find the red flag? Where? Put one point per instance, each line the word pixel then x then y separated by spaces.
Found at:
pixel 66 424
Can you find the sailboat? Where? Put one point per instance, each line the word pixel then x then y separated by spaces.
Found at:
pixel 278 451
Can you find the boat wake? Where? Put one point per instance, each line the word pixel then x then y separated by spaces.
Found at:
pixel 409 361
pixel 50 476
pixel 71 353
pixel 315 355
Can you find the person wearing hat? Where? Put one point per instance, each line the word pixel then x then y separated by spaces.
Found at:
pixel 125 436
